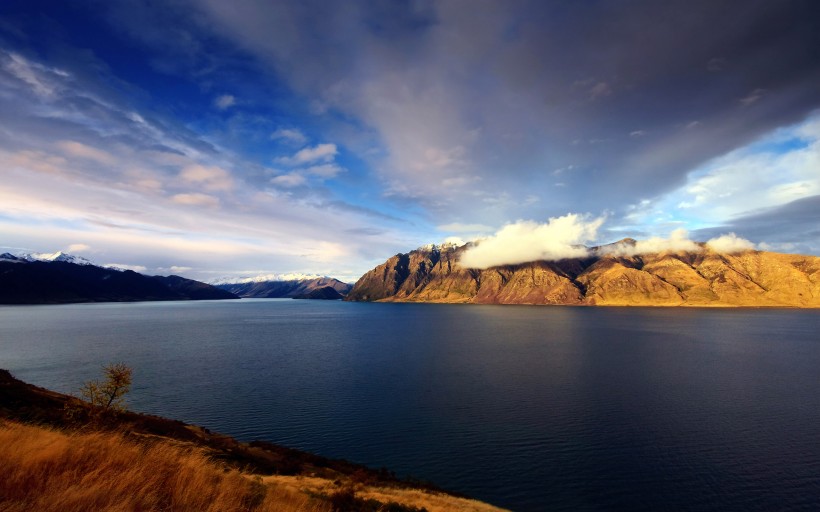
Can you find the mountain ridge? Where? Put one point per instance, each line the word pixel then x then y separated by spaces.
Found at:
pixel 327 288
pixel 609 276
pixel 64 281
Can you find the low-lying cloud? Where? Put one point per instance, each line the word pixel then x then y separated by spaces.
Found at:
pixel 564 237
pixel 523 241
pixel 730 243
pixel 678 241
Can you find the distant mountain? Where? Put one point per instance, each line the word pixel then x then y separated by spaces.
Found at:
pixel 55 256
pixel 67 279
pixel 696 278
pixel 316 288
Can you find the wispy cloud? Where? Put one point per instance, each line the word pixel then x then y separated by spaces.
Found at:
pixel 291 135
pixel 225 101
pixel 291 179
pixel 209 177
pixel 318 153
pixel 196 199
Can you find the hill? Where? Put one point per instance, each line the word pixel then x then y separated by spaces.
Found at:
pixel 61 281
pixel 606 277
pixel 316 288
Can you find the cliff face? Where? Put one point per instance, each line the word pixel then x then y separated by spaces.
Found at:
pixel 703 278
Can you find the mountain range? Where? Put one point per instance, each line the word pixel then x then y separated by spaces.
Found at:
pixel 32 279
pixel 317 288
pixel 608 275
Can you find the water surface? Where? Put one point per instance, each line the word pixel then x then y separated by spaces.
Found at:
pixel 532 408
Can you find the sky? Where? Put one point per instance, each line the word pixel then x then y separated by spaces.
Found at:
pixel 216 139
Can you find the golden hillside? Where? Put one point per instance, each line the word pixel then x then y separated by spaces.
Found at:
pixel 702 278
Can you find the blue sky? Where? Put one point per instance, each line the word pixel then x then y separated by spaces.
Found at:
pixel 214 139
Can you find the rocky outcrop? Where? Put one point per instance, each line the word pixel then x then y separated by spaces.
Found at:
pixel 697 278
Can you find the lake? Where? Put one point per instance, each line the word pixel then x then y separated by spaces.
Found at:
pixel 530 408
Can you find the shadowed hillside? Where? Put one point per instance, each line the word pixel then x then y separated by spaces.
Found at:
pixel 61 282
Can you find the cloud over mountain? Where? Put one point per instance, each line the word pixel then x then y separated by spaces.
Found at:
pixel 523 241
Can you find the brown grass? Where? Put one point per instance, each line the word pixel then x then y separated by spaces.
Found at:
pixel 429 500
pixel 50 470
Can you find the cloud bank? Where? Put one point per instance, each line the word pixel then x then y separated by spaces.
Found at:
pixel 730 243
pixel 678 241
pixel 524 241
pixel 563 237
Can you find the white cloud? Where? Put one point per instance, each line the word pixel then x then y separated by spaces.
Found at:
pixel 776 170
pixel 730 243
pixel 318 153
pixel 290 135
pixel 293 179
pixel 225 101
pixel 524 241
pixel 678 241
pixel 196 199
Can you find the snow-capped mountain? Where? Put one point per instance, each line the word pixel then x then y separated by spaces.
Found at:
pixel 55 256
pixel 264 278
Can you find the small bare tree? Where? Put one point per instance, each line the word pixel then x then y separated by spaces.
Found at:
pixel 109 394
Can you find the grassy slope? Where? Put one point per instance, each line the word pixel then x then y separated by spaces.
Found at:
pixel 49 470
pixel 52 458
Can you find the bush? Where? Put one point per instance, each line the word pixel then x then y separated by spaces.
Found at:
pixel 109 394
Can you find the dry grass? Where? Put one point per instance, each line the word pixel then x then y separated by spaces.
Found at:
pixel 49 470
pixel 429 500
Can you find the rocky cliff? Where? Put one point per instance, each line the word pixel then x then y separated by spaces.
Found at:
pixel 699 278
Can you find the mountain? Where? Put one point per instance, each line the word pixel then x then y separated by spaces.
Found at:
pixel 55 256
pixel 316 288
pixel 60 281
pixel 193 290
pixel 695 278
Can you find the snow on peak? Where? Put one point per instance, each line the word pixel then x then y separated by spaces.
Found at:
pixel 444 246
pixel 55 256
pixel 261 278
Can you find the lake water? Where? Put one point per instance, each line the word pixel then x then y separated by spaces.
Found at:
pixel 531 408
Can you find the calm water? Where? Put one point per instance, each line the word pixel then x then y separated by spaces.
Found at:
pixel 532 408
